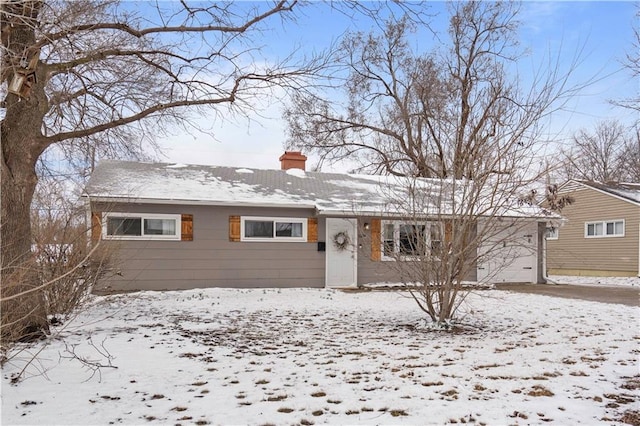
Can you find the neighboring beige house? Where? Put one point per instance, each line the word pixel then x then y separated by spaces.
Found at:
pixel 601 234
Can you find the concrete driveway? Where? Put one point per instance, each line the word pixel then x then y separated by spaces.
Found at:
pixel 629 296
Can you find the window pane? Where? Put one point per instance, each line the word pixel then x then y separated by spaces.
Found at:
pixel 284 229
pixel 619 228
pixel 159 227
pixel 591 229
pixel 599 229
pixel 411 239
pixel 387 240
pixel 436 238
pixel 258 229
pixel 611 228
pixel 124 226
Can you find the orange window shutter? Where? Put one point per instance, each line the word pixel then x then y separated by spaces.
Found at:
pixel 376 229
pixel 312 230
pixel 96 226
pixel 234 228
pixel 187 227
pixel 448 231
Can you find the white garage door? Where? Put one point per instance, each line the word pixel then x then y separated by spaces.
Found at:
pixel 510 255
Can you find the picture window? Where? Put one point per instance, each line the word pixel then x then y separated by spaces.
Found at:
pixel 144 226
pixel 273 229
pixel 610 228
pixel 410 240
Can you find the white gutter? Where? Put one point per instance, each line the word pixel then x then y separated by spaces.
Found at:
pixel 229 203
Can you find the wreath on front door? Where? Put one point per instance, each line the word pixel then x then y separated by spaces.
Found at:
pixel 341 241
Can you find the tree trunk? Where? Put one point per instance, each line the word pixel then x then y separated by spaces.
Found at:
pixel 23 318
pixel 21 142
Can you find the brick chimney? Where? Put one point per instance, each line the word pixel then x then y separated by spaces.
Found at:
pixel 292 160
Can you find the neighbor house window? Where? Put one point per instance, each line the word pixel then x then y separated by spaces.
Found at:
pixel 611 228
pixel 407 240
pixel 132 226
pixel 552 233
pixel 273 229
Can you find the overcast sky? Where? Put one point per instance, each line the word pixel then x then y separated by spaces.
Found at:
pixel 601 33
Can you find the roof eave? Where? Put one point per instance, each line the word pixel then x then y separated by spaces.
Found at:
pixel 185 202
pixel 586 185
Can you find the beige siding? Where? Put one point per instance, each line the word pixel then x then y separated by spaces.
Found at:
pixel 572 253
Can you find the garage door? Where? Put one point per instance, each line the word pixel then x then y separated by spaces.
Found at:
pixel 510 254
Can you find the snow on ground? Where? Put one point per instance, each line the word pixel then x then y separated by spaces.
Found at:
pixel 596 281
pixel 315 356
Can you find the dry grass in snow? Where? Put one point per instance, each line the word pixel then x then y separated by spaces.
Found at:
pixel 304 356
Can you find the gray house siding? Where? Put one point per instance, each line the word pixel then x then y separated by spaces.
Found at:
pixel 378 271
pixel 211 260
pixel 372 271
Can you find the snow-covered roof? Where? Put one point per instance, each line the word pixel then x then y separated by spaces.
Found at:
pixel 328 193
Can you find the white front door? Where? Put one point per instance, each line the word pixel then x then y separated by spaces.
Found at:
pixel 341 268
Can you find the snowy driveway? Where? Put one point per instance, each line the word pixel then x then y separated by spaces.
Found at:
pixel 629 296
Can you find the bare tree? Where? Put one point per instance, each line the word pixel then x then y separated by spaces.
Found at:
pixel 632 63
pixel 605 154
pixel 629 159
pixel 64 267
pixel 89 79
pixel 85 76
pixel 430 114
pixel 455 116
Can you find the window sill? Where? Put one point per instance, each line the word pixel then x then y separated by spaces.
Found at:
pixel 142 238
pixel 273 240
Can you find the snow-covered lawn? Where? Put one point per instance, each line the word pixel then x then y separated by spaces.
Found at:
pixel 306 356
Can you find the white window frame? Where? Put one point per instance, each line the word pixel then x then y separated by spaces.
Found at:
pixel 552 233
pixel 396 239
pixel 303 221
pixel 604 224
pixel 143 216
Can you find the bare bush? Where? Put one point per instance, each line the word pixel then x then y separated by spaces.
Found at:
pixel 62 270
pixel 443 238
